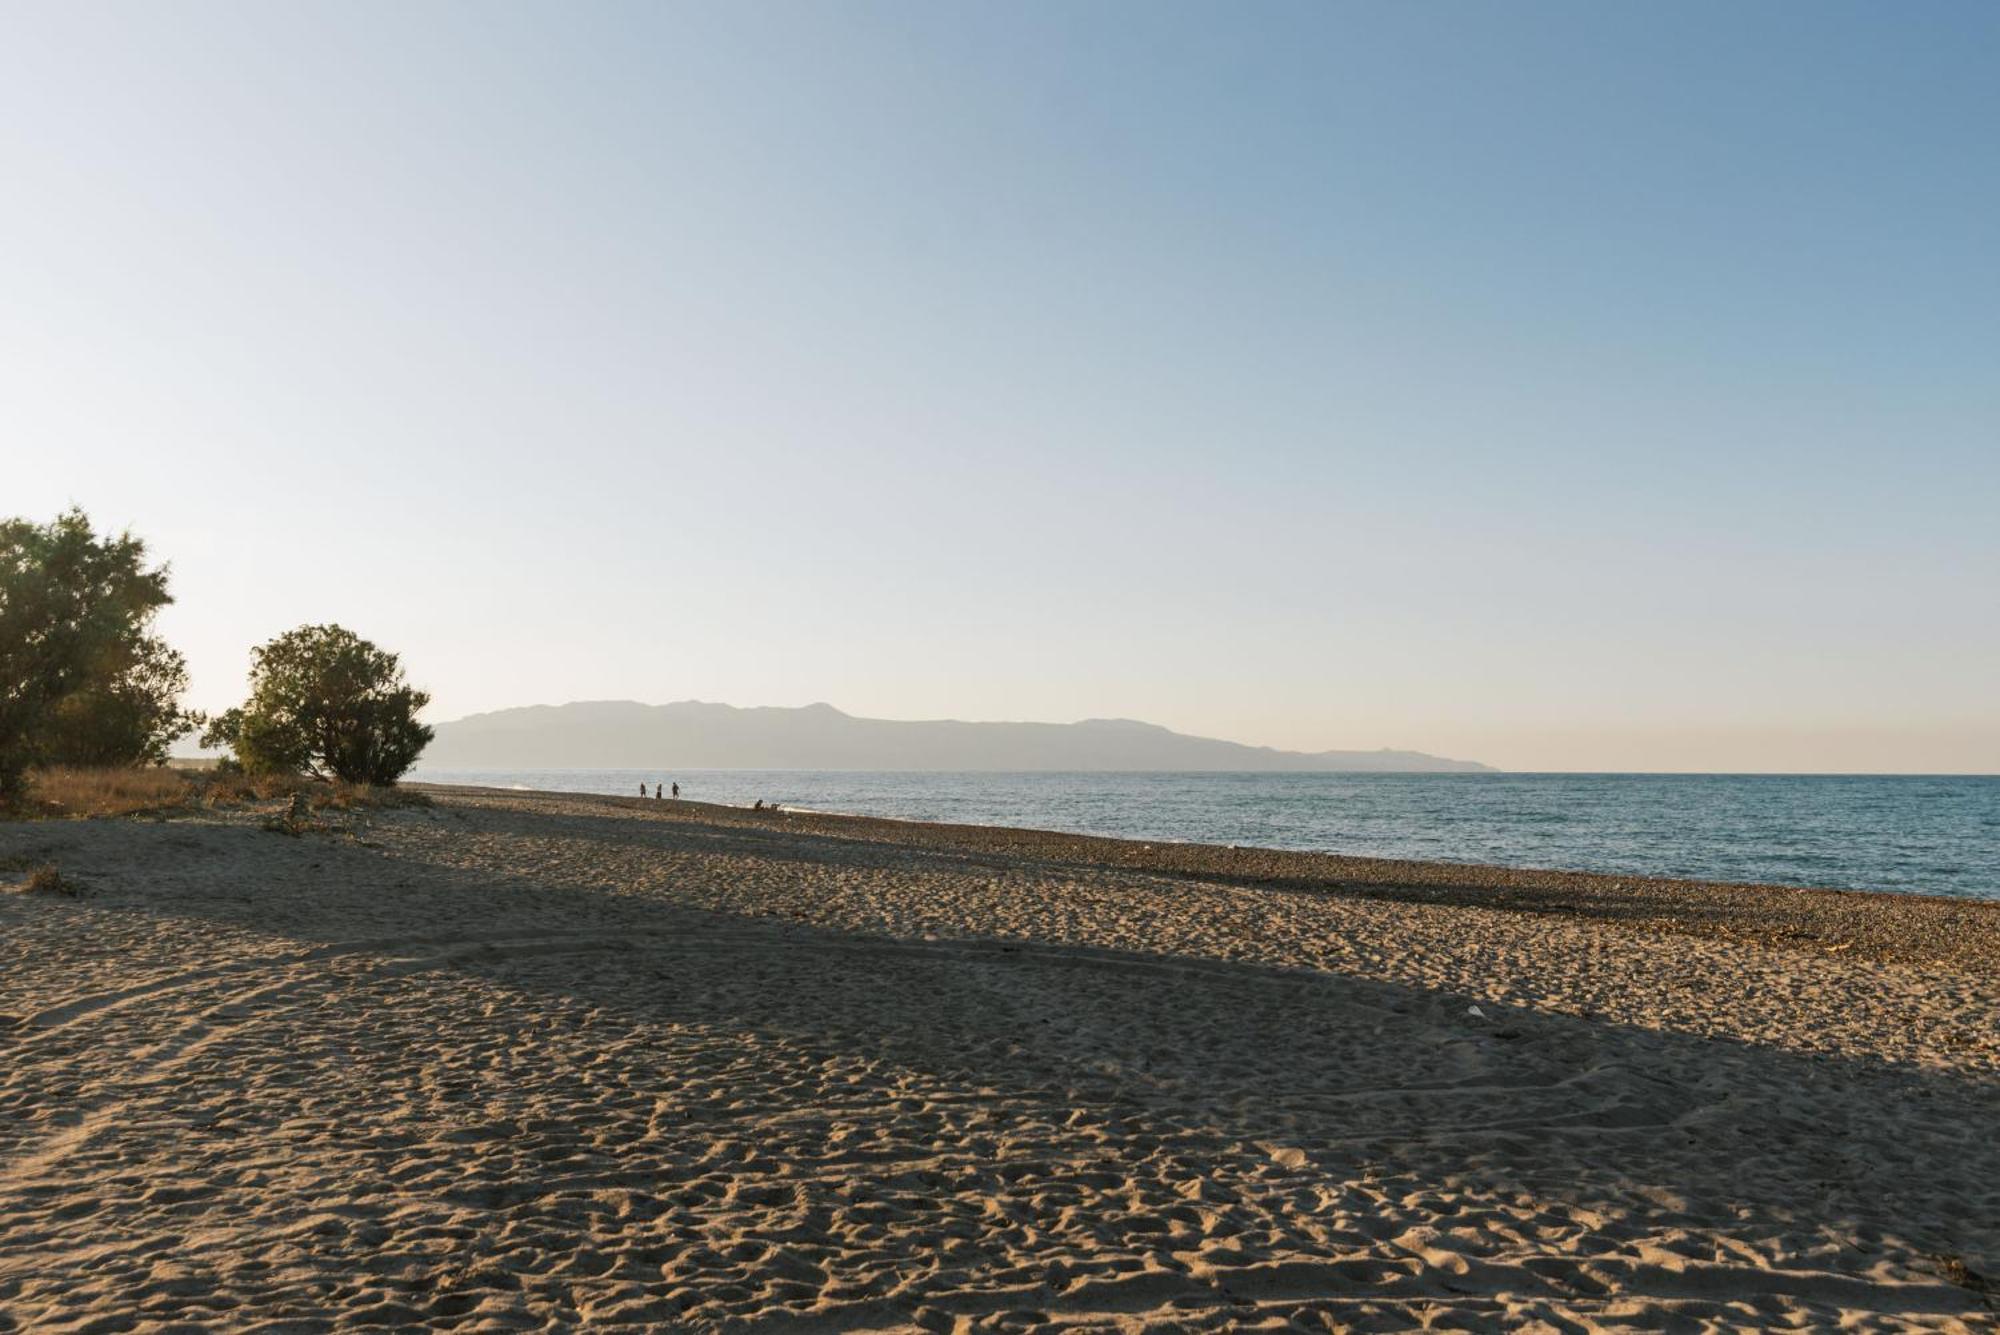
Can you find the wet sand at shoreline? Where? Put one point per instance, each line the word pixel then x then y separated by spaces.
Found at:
pixel 529 1059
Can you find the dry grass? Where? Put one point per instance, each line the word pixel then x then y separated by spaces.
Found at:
pixel 1956 1271
pixel 71 792
pixel 46 879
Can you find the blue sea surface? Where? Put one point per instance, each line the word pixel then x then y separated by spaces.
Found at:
pixel 1912 834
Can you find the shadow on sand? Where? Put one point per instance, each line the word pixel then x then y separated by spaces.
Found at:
pixel 731 1117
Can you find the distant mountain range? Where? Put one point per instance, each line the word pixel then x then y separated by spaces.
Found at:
pixel 623 734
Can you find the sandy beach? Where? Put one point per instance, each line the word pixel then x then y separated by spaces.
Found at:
pixel 526 1060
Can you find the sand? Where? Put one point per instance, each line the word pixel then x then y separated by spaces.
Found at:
pixel 521 1061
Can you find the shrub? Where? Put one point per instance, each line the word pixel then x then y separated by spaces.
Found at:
pixel 326 703
pixel 47 879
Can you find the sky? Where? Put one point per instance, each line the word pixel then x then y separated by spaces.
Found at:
pixel 1562 386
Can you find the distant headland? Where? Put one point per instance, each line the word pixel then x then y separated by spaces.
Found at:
pixel 692 734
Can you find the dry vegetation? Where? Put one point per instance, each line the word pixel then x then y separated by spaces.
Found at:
pixel 43 878
pixel 70 792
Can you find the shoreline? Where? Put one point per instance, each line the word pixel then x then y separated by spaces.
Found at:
pixel 1883 925
pixel 1896 834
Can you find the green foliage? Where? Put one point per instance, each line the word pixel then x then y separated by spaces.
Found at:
pixel 271 739
pixel 127 712
pixel 78 668
pixel 324 701
pixel 220 733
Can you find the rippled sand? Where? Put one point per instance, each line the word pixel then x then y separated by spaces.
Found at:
pixel 520 1061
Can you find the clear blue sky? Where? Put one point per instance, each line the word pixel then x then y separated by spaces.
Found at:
pixel 1557 385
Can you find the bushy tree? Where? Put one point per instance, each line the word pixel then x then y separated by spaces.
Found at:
pixel 127 713
pixel 324 701
pixel 75 616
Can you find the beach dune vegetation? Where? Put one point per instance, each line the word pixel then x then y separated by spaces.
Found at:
pixel 70 792
pixel 326 703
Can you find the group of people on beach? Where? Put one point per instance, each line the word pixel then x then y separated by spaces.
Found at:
pixel 674 790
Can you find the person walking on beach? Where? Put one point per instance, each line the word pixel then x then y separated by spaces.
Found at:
pixel 656 792
pixel 642 788
pixel 677 792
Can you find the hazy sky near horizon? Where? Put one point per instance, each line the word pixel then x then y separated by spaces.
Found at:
pixel 1564 386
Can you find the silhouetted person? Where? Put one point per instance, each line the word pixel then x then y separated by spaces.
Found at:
pixel 677 791
pixel 758 805
pixel 656 791
pixel 642 790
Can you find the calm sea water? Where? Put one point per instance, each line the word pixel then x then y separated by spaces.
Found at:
pixel 1923 835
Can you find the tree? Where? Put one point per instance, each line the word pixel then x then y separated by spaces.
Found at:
pixel 75 611
pixel 126 713
pixel 325 702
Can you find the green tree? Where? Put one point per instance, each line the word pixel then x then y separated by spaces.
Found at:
pixel 324 701
pixel 75 610
pixel 127 712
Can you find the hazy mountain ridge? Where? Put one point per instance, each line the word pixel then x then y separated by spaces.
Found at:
pixel 693 734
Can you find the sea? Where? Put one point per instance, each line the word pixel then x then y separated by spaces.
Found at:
pixel 1910 834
